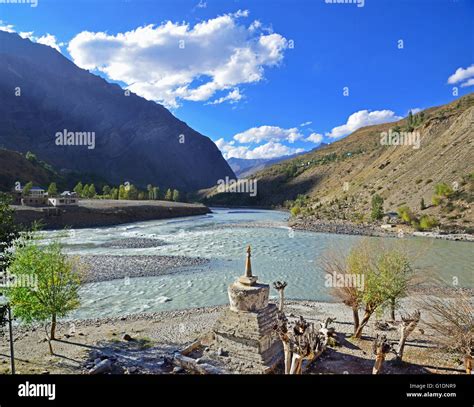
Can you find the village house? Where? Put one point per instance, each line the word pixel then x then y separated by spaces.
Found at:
pixel 36 197
pixel 65 199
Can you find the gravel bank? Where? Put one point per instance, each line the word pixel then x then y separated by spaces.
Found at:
pixel 105 268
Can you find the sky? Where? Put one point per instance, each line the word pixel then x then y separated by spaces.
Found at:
pixel 266 78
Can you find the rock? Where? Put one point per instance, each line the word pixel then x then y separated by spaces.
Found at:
pixel 81 334
pixel 178 370
pixel 44 372
pixel 97 361
pixel 104 366
pixel 132 369
pixel 221 352
pixel 127 338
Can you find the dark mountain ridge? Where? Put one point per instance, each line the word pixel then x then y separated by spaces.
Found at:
pixel 136 140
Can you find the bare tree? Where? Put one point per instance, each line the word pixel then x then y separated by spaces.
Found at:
pixel 381 346
pixel 406 327
pixel 452 320
pixel 302 341
pixel 280 287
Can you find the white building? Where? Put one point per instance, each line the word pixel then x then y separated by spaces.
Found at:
pixel 65 199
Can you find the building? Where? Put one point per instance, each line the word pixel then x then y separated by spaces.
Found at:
pixel 36 197
pixel 65 199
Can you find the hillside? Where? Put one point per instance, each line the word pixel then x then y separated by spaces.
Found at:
pixel 136 140
pixel 338 181
pixel 16 167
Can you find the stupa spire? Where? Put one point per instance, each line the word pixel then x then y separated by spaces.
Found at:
pixel 248 263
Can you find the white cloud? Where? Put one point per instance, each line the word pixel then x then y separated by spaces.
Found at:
pixel 268 133
pixel 201 4
pixel 360 119
pixel 305 124
pixel 215 55
pixel 462 74
pixel 6 27
pixel 268 150
pixel 47 39
pixel 469 82
pixel 232 97
pixel 314 138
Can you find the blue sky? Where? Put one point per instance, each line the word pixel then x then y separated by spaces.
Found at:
pixel 248 74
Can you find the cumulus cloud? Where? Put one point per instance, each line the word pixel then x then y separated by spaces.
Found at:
pixel 461 75
pixel 314 138
pixel 360 119
pixel 268 150
pixel 268 133
pixel 305 124
pixel 171 62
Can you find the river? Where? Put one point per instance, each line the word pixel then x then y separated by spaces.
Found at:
pixel 278 253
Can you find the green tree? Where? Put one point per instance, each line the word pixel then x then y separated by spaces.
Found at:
pixel 106 191
pixel 78 188
pixel 27 188
pixel 53 189
pixel 123 193
pixel 53 284
pixel 114 193
pixel 149 188
pixel 169 195
pixel 175 195
pixel 156 193
pixel 92 192
pixel 395 272
pixel 132 192
pixel 8 229
pixel 377 207
pixel 85 191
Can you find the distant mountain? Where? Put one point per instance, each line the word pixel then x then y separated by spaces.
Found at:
pixel 243 167
pixel 340 179
pixel 43 93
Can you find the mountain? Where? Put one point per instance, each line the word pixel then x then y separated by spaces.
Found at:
pixel 139 141
pixel 244 167
pixel 339 180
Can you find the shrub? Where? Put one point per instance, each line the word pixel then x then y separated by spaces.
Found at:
pixel 295 210
pixel 436 200
pixel 428 222
pixel 406 214
pixel 443 190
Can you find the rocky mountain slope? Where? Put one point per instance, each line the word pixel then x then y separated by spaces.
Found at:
pixel 136 140
pixel 339 181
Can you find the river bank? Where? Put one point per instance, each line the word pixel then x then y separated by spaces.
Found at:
pixel 366 229
pixel 105 212
pixel 146 343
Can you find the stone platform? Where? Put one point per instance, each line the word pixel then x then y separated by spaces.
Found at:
pixel 245 331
